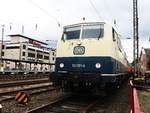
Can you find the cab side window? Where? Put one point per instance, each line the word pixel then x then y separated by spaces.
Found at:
pixel 113 34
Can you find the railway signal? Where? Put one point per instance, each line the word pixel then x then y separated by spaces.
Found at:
pixel 22 98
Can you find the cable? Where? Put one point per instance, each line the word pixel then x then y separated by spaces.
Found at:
pixel 44 11
pixel 96 11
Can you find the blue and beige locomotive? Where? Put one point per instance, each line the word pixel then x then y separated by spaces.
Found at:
pixel 89 55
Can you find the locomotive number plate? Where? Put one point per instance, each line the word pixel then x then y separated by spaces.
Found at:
pixel 79 50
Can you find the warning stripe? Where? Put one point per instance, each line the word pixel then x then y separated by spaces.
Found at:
pixel 21 98
pixel 18 95
pixel 25 100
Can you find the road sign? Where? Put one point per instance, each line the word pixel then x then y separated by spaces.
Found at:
pixel 22 98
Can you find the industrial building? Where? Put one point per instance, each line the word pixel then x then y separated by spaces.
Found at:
pixel 34 54
pixel 145 60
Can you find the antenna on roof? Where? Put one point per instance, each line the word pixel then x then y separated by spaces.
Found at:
pixel 10 27
pixel 115 22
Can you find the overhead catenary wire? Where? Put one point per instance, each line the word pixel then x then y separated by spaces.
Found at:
pixel 44 11
pixel 108 8
pixel 112 17
pixel 96 10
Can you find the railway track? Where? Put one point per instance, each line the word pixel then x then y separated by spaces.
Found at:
pixel 15 86
pixel 38 98
pixel 66 104
pixel 30 91
pixel 22 77
pixel 9 89
pixel 116 102
pixel 51 100
pixel 22 82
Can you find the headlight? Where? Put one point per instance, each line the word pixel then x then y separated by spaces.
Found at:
pixel 79 42
pixel 98 65
pixel 61 65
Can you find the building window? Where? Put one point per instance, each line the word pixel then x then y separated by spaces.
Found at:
pixel 113 35
pixel 53 58
pixel 23 54
pixel 2 53
pixel 31 55
pixel 39 51
pixel 23 58
pixel 31 59
pixel 31 49
pixel 24 46
pixel 46 53
pixel 46 57
pixel 53 54
pixel 39 56
pixel 13 47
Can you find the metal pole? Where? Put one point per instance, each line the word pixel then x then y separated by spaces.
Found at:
pixel 135 38
pixel 22 29
pixel 20 64
pixel 1 61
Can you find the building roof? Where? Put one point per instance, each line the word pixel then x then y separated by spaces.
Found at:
pixel 147 51
pixel 19 35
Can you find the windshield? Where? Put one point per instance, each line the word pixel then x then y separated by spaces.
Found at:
pixel 93 31
pixel 72 33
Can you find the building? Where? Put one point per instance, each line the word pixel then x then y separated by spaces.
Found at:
pixel 52 43
pixel 145 60
pixel 23 48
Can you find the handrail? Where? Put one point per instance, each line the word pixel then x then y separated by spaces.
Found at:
pixel 135 106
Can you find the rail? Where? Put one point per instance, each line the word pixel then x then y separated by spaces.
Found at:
pixel 134 102
pixel 22 82
pixel 87 108
pixel 22 77
pixel 30 93
pixel 45 106
pixel 143 87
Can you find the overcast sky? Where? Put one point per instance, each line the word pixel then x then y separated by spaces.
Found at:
pixel 47 14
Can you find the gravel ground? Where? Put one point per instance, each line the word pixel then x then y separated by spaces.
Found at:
pixel 116 102
pixel 144 99
pixel 36 100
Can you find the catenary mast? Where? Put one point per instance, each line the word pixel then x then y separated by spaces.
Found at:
pixel 135 38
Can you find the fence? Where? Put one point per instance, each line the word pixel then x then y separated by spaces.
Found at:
pixel 134 102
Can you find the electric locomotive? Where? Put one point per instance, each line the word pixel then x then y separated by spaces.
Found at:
pixel 89 56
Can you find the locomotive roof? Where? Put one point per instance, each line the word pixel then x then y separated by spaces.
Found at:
pixel 84 23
